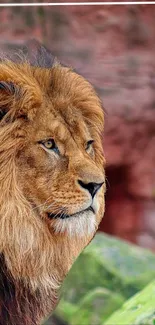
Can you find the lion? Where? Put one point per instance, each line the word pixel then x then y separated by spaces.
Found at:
pixel 52 176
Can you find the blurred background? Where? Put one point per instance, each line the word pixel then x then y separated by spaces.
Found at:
pixel 113 47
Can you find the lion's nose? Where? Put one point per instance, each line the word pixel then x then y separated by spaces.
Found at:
pixel 91 187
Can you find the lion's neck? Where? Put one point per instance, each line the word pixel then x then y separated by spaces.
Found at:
pixel 18 305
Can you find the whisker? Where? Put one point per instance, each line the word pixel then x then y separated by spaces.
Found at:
pixel 40 205
pixel 43 204
pixel 61 212
pixel 107 182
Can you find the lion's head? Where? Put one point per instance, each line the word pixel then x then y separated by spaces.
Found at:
pixel 51 170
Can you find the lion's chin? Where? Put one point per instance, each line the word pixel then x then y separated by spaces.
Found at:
pixel 80 224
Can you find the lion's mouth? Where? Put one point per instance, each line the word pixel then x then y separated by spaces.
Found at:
pixel 65 216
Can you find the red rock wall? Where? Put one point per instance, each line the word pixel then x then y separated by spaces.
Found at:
pixel 113 47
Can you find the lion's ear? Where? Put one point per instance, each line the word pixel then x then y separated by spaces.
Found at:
pixel 7 92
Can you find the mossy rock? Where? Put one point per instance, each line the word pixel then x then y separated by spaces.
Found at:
pixel 96 305
pixel 109 263
pixel 104 276
pixel 138 310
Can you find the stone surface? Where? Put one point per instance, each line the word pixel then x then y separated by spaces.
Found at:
pixel 96 305
pixel 139 310
pixel 106 274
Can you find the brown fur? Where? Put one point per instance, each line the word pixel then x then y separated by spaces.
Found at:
pixel 43 103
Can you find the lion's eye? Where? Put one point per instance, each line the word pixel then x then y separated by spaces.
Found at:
pixel 88 145
pixel 50 145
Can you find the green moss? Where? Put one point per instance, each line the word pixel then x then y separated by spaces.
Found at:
pixel 104 276
pixel 138 310
pixel 90 309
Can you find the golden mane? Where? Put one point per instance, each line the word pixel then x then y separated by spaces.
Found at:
pixel 34 258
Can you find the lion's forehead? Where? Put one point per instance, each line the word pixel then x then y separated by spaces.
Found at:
pixel 55 125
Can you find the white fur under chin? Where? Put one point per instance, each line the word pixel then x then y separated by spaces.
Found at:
pixel 80 224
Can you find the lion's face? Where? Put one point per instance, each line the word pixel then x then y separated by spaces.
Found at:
pixel 58 170
pixel 60 165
